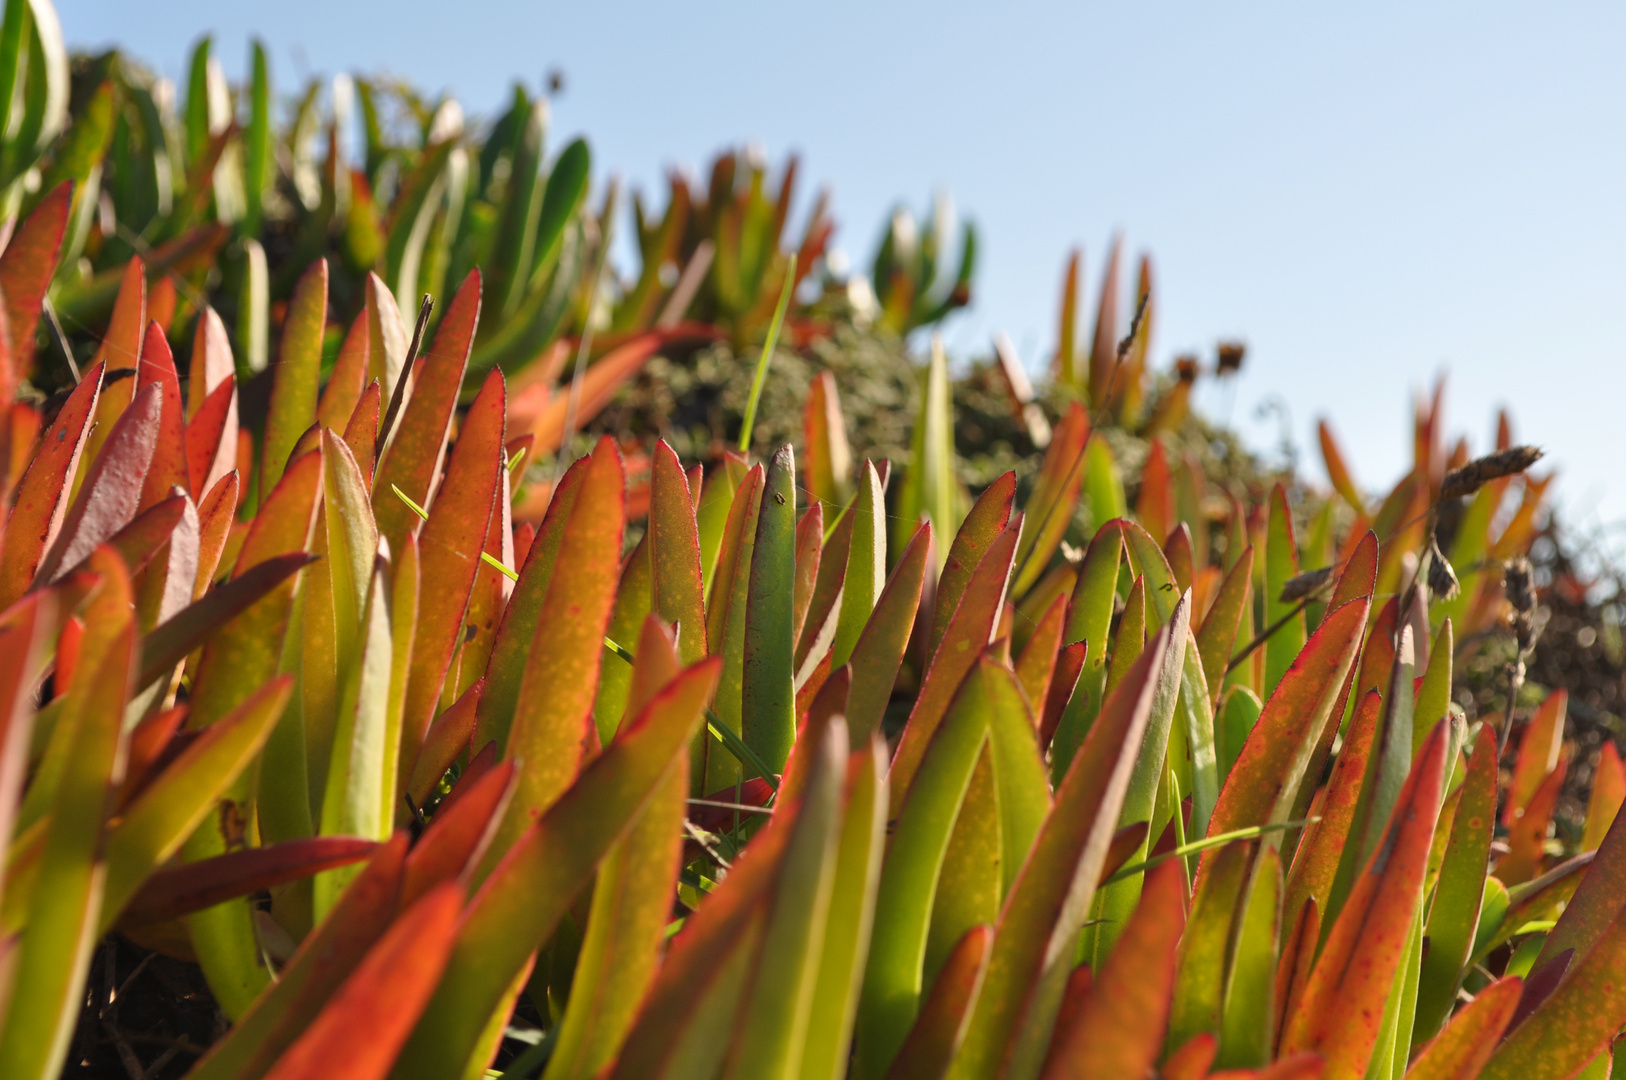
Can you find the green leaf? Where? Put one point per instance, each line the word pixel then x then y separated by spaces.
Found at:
pixel 1248 1022
pixel 298 368
pixel 1089 620
pixel 726 615
pixel 171 806
pixel 909 877
pixel 257 144
pixel 55 947
pixel 1115 902
pixel 536 881
pixel 1103 485
pixel 970 884
pixel 850 919
pixel 1239 712
pixel 1038 927
pixel 567 187
pixel 626 926
pixel 929 484
pixel 761 377
pixel 774 1022
pixel 1434 696
pixel 1454 914
pixel 631 610
pixel 866 565
pixel 937 1032
pixel 237 660
pixel 879 653
pixel 767 691
pixel 518 213
pixel 1281 565
pixel 1199 769
pixel 716 497
pixel 359 796
pixel 1199 990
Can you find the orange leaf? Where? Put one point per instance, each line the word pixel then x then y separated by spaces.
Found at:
pixel 169 466
pixel 181 890
pixel 967 632
pixel 1538 754
pixel 674 553
pixel 989 516
pixel 111 492
pixel 26 269
pixel 555 704
pixel 940 1025
pixel 460 834
pixel 417 445
pixel 1263 783
pixel 1118 1034
pixel 42 498
pixel 449 550
pixel 368 1019
pixel 1341 1011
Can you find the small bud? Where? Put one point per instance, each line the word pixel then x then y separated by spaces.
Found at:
pixel 1305 584
pixel 1481 471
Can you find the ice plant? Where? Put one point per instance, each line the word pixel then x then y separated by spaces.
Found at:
pixel 792 767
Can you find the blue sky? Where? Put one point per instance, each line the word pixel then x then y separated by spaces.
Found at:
pixel 1368 196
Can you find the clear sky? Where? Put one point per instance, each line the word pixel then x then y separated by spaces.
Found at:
pixel 1368 195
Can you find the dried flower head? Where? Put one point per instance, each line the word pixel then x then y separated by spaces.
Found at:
pixel 1481 471
pixel 1230 357
pixel 1521 596
pixel 1517 578
pixel 1442 579
pixel 1185 369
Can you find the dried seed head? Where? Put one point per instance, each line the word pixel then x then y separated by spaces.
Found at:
pixel 1516 577
pixel 1305 584
pixel 1230 357
pixel 1185 369
pixel 1481 471
pixel 1442 580
pixel 1521 596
